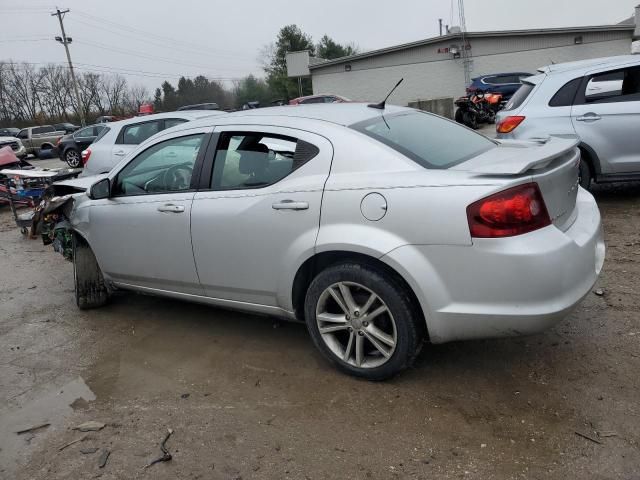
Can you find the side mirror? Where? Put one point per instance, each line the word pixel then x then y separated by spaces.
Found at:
pixel 100 190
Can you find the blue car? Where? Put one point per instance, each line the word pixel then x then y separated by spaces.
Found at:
pixel 505 83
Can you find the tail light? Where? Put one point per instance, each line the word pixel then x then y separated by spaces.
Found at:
pixel 85 156
pixel 508 213
pixel 58 142
pixel 509 124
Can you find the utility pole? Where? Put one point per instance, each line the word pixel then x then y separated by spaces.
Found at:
pixel 66 41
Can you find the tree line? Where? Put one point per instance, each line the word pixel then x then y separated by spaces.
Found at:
pixel 38 95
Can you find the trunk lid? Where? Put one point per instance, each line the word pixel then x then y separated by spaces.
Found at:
pixel 552 163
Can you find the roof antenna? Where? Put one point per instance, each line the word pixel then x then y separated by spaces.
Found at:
pixel 381 105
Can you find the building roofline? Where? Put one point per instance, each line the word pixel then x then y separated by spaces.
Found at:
pixel 456 36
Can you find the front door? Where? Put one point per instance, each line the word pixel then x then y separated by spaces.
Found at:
pixel 261 213
pixel 141 234
pixel 606 116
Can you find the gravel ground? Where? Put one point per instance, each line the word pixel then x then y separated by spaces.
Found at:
pixel 249 397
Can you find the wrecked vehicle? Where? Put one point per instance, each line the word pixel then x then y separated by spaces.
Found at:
pixel 378 226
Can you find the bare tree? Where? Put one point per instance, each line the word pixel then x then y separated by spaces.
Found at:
pixel 137 95
pixel 114 88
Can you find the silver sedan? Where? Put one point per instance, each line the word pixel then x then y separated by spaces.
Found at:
pixel 379 228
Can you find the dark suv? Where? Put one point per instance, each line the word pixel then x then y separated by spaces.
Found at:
pixel 505 83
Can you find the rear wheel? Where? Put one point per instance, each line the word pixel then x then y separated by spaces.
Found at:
pixel 90 288
pixel 72 157
pixel 363 321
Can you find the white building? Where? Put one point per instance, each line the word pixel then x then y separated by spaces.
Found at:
pixel 433 68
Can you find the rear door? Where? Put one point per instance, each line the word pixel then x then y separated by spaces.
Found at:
pixel 606 115
pixel 259 213
pixel 133 135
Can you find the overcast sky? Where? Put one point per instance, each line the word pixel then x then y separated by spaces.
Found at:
pixel 149 41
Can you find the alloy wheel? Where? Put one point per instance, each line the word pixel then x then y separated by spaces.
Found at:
pixel 356 325
pixel 73 158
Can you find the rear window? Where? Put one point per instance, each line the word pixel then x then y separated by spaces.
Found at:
pixel 101 133
pixel 520 96
pixel 41 130
pixel 430 141
pixel 564 97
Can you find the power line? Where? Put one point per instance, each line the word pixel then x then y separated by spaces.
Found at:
pixel 130 29
pixel 141 55
pixel 157 43
pixel 125 71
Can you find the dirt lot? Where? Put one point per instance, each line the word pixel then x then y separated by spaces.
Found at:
pixel 249 397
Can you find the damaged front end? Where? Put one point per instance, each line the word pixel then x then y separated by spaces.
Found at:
pixel 52 217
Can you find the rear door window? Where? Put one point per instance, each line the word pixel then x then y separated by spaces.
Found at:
pixel 172 122
pixel 42 130
pixel 139 132
pixel 254 160
pixel 621 85
pixel 430 141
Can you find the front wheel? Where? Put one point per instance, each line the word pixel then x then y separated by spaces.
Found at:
pixel 72 157
pixel 471 120
pixel 459 117
pixel 90 288
pixel 363 321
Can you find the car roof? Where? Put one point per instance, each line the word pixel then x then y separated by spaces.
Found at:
pixel 503 73
pixel 186 114
pixel 338 113
pixel 588 64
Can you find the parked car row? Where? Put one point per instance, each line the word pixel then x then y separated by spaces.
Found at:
pixel 596 100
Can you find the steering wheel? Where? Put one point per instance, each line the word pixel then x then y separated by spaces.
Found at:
pixel 177 177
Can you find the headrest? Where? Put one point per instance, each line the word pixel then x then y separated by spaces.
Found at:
pixel 254 159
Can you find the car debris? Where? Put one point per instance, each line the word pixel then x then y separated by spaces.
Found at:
pixel 588 437
pixel 166 456
pixel 599 292
pixel 73 442
pixel 91 426
pixel 89 450
pixel 104 456
pixel 32 429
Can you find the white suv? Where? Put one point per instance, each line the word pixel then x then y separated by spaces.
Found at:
pixel 120 138
pixel 598 100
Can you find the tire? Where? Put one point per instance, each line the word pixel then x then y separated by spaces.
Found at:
pixel 459 117
pixel 90 288
pixel 399 327
pixel 471 120
pixel 585 175
pixel 72 157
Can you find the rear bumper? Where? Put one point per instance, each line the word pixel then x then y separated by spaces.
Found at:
pixel 504 287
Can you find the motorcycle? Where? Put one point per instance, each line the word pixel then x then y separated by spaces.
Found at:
pixel 477 108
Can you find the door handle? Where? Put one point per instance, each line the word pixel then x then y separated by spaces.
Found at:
pixel 589 117
pixel 169 208
pixel 120 153
pixel 290 205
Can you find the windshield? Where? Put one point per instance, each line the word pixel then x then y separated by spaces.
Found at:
pixel 429 140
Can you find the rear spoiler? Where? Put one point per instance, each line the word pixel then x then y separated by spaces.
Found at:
pixel 514 157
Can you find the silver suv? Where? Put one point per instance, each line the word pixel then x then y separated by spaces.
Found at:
pixel 598 100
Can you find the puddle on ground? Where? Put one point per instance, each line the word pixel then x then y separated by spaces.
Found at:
pixel 51 407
